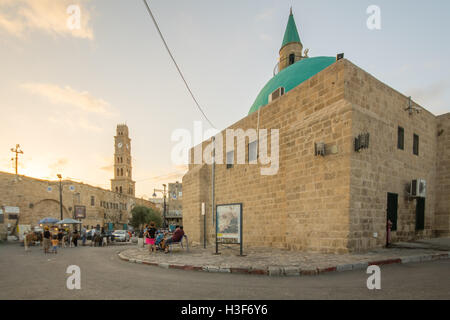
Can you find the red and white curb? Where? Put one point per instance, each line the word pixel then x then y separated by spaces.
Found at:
pixel 291 270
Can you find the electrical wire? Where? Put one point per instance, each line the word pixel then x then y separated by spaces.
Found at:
pixel 176 64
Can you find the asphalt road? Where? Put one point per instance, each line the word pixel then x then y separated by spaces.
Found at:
pixel 33 275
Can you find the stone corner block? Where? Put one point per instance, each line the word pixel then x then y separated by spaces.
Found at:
pixel 344 267
pixel 291 271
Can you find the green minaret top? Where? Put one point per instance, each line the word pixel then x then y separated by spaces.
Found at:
pixel 291 33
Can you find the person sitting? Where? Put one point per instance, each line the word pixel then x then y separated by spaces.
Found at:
pixel 159 240
pixel 176 237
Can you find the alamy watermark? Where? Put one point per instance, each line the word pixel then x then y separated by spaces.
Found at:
pixel 374 20
pixel 74 19
pixel 374 281
pixel 219 147
pixel 74 280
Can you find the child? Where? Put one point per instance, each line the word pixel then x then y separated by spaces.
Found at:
pixel 55 244
pixel 159 239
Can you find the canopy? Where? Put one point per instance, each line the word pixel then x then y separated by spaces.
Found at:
pixel 69 221
pixel 48 220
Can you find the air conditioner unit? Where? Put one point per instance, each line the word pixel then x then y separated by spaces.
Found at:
pixel 276 94
pixel 418 188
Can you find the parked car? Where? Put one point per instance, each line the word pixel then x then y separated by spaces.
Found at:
pixel 121 235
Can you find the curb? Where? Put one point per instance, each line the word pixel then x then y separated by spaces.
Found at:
pixel 290 271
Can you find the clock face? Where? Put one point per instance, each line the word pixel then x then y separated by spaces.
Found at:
pixel 120 145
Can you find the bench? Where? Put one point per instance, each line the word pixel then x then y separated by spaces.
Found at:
pixel 180 243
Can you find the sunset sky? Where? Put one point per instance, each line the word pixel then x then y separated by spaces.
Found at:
pixel 63 91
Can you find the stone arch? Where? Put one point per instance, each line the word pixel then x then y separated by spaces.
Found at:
pixel 47 208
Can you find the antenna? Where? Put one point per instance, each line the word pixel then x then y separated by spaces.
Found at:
pixel 411 109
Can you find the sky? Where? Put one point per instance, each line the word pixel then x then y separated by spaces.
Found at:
pixel 63 90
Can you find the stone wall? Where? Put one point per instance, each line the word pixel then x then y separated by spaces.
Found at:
pixel 334 203
pixel 442 219
pixel 36 201
pixel 382 168
pixel 304 205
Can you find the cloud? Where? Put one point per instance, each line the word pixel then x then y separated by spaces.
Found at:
pixel 265 37
pixel 266 14
pixel 58 165
pixel 66 95
pixel 20 16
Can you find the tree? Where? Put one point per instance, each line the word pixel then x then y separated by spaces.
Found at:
pixel 141 216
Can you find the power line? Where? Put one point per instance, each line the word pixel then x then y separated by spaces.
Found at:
pixel 176 64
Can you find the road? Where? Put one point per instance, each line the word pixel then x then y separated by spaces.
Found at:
pixel 33 275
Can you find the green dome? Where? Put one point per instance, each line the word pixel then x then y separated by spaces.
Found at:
pixel 291 77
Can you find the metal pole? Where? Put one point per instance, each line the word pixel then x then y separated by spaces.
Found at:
pixel 204 225
pixel 164 195
pixel 60 198
pixel 240 240
pixel 213 189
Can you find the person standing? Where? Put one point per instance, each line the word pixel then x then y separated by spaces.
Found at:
pixel 83 236
pixel 151 235
pixel 60 237
pixel 75 238
pixel 25 239
pixel 47 237
pixel 55 243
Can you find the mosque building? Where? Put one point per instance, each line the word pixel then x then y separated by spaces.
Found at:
pixel 353 155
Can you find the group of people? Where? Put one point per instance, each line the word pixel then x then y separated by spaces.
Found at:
pixel 158 239
pixel 59 238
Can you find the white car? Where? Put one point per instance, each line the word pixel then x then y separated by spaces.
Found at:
pixel 121 235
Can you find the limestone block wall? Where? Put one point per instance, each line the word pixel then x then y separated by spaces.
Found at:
pixel 305 205
pixel 382 168
pixel 198 184
pixel 36 202
pixel 442 218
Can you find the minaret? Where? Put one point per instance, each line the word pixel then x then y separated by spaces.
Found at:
pixel 291 48
pixel 122 182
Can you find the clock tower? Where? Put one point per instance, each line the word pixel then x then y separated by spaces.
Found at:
pixel 122 182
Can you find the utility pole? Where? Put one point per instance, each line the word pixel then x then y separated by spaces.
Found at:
pixel 17 151
pixel 164 192
pixel 60 195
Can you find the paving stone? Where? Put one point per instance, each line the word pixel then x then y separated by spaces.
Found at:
pixel 344 267
pixel 291 271
pixel 360 265
pixel 273 262
pixel 275 271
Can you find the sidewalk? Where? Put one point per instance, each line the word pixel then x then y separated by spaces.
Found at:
pixel 275 262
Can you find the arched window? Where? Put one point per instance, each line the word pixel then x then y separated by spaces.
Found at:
pixel 118 172
pixel 121 172
pixel 291 58
pixel 120 189
pixel 117 189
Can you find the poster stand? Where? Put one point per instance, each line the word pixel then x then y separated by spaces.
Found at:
pixel 236 210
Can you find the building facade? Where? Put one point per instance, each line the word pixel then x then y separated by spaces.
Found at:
pixel 37 199
pixel 349 150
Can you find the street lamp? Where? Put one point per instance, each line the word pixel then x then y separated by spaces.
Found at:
pixel 164 192
pixel 60 194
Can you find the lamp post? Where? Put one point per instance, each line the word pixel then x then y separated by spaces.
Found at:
pixel 164 192
pixel 60 195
